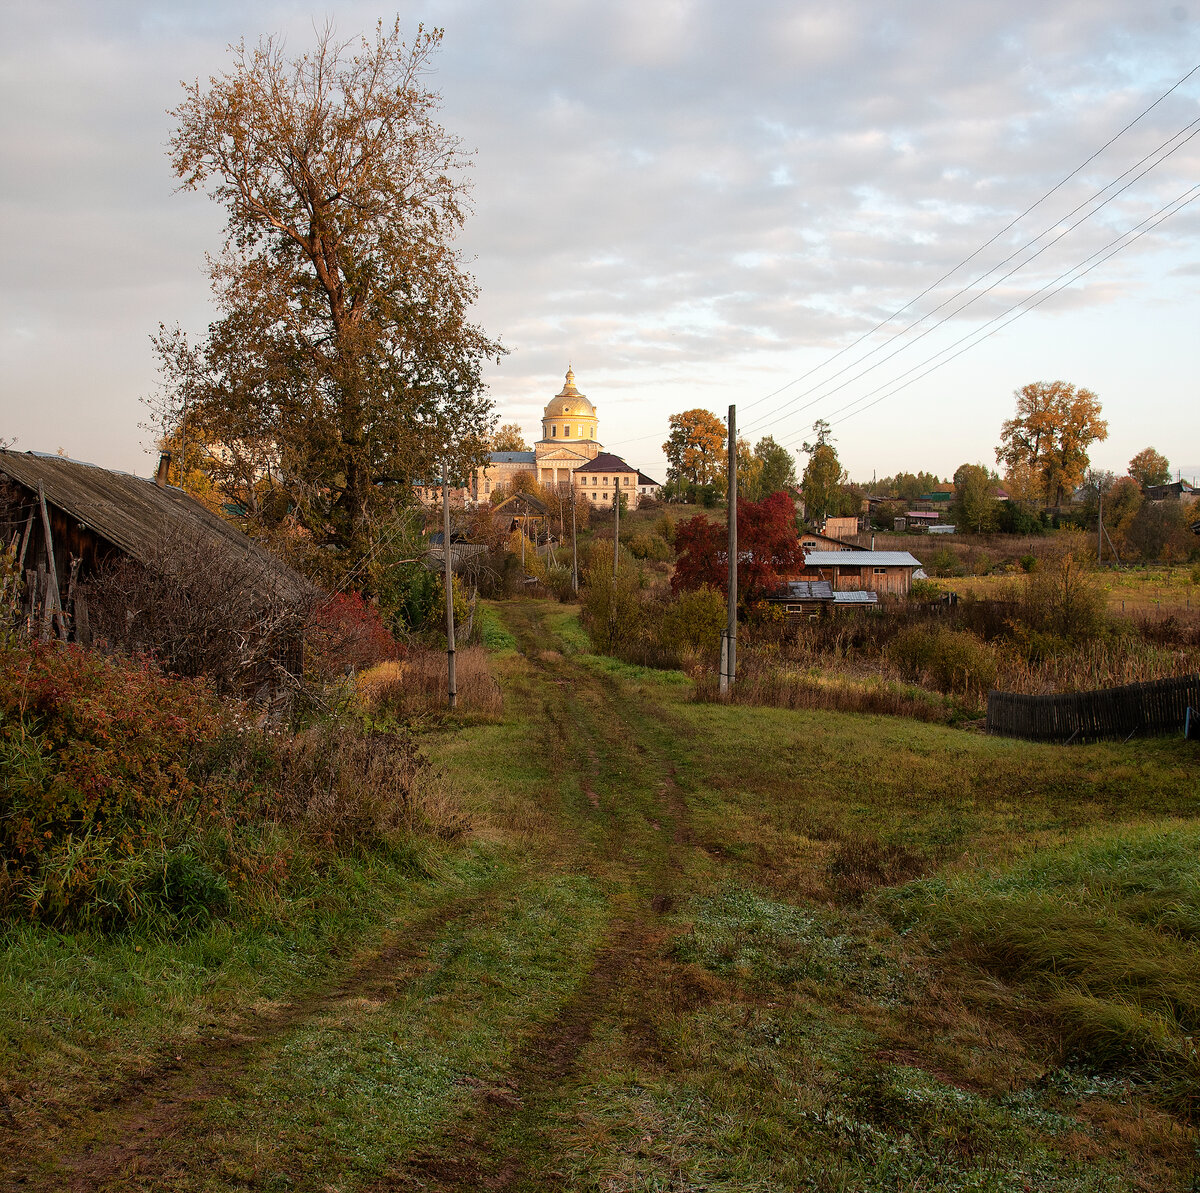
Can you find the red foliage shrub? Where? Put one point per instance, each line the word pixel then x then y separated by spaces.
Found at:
pixel 347 631
pixel 768 548
pixel 105 743
pixel 94 749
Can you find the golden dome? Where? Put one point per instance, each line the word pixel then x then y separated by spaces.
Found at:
pixel 569 401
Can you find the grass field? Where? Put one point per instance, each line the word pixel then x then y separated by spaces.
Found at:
pixel 1145 591
pixel 687 947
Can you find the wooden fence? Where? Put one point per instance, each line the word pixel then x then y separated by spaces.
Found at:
pixel 1160 706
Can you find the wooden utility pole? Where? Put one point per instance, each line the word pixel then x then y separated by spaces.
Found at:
pixel 729 638
pixel 616 527
pixel 449 579
pixel 574 544
pixel 1099 525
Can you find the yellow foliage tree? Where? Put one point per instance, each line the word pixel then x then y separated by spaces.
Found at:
pixel 1054 426
pixel 695 447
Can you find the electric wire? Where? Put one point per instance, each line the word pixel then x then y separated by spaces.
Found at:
pixel 1164 213
pixel 967 260
pixel 1192 130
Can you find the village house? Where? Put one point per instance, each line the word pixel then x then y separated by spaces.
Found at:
pixel 816 540
pixel 803 600
pixel 887 572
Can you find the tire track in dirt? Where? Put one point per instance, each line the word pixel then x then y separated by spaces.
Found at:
pixel 628 982
pixel 130 1131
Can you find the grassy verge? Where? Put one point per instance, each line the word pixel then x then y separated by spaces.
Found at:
pixel 86 1010
pixel 1102 938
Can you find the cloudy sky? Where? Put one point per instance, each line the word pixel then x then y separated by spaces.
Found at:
pixel 694 202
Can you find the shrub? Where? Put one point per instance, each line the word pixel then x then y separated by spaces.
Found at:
pixel 649 546
pixel 350 790
pixel 347 631
pixel 126 794
pixel 951 660
pixel 944 562
pixel 98 758
pixel 612 613
pixel 692 624
pixel 1063 600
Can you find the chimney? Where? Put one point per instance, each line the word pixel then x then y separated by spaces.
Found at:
pixel 164 466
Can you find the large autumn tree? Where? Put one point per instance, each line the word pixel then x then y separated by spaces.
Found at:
pixel 1150 467
pixel 768 548
pixel 1049 436
pixel 342 364
pixel 695 448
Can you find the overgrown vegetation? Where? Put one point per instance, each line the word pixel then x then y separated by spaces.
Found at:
pixel 129 795
pixel 1103 938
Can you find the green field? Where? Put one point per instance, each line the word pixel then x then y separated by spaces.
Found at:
pixel 686 947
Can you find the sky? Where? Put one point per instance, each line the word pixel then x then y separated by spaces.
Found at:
pixel 691 202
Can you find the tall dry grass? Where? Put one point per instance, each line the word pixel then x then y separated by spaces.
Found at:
pixel 1105 663
pixel 342 788
pixel 416 686
pixel 765 682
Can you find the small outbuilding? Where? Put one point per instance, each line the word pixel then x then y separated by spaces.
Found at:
pixel 887 572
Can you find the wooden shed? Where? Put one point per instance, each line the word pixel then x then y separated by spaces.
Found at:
pixel 64 520
pixel 887 572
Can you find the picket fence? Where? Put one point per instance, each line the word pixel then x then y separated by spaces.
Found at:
pixel 1160 706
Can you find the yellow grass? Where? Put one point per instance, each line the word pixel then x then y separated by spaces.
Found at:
pixel 1130 591
pixel 417 684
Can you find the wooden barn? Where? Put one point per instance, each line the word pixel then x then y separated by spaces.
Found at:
pixel 65 522
pixel 886 572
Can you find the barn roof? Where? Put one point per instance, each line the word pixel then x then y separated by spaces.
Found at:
pixel 861 559
pixel 135 515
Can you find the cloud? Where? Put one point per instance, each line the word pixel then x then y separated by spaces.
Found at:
pixel 689 196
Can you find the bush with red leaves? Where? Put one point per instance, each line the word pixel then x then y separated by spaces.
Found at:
pixel 346 630
pixel 768 549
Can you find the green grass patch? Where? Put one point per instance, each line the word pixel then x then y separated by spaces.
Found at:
pixel 373 1079
pixel 568 629
pixel 493 633
pixel 83 1010
pixel 1103 935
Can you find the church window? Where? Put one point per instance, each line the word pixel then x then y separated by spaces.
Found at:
pixel 567 432
pixel 554 432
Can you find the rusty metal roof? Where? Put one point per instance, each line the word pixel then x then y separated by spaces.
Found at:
pixel 135 515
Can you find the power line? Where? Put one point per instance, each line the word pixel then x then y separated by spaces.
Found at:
pixel 988 289
pixel 1164 213
pixel 966 260
pixel 1192 130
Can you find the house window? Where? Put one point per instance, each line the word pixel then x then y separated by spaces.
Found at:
pixel 809 543
pixel 625 481
pixel 880 571
pixel 594 481
pixel 605 496
pixel 604 480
